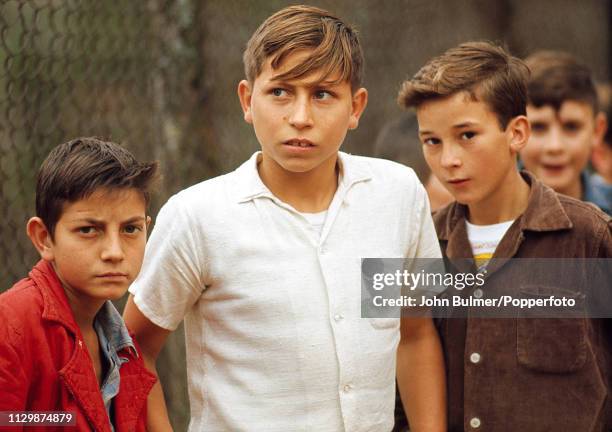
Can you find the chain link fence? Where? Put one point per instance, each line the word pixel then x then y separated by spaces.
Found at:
pixel 124 71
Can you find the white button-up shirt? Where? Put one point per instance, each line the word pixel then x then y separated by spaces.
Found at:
pixel 274 335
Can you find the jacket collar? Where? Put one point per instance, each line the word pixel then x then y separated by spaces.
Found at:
pixel 55 303
pixel 544 212
pixel 352 170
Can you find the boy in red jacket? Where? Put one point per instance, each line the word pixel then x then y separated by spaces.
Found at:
pixel 64 348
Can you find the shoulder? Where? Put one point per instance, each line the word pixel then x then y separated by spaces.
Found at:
pixel 582 212
pixel 22 300
pixel 586 218
pixel 21 310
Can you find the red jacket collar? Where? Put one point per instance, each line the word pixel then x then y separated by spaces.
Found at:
pixel 55 303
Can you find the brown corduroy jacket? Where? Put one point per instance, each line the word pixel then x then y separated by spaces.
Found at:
pixel 532 375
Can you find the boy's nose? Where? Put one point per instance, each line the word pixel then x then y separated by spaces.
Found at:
pixel 449 157
pixel 555 141
pixel 301 115
pixel 112 249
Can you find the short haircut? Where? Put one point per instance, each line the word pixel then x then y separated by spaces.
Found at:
pixel 76 169
pixel 487 72
pixel 334 44
pixel 398 140
pixel 558 76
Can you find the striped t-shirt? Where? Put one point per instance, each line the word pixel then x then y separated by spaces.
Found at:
pixel 484 240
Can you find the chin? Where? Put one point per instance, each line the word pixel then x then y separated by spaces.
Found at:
pixel 298 167
pixel 113 293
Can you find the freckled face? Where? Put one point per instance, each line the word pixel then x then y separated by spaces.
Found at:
pixel 99 243
pixel 300 123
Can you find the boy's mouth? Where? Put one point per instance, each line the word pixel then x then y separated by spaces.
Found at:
pixel 458 181
pixel 299 142
pixel 553 168
pixel 112 275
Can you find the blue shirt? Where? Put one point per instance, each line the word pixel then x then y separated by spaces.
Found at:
pixel 597 191
pixel 113 337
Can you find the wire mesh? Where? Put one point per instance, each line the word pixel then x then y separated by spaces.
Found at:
pixel 80 68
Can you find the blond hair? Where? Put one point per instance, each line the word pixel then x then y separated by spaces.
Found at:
pixel 334 45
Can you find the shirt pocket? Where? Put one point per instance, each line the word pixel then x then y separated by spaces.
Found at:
pixel 553 344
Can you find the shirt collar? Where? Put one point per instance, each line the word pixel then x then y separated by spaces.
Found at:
pixel 250 186
pixel 544 211
pixel 113 326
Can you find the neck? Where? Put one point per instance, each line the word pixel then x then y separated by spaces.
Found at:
pixel 575 190
pixel 507 203
pixel 83 310
pixel 311 191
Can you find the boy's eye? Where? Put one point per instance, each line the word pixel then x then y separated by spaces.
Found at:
pixel 431 141
pixel 468 135
pixel 132 229
pixel 87 230
pixel 278 92
pixel 571 127
pixel 322 94
pixel 538 127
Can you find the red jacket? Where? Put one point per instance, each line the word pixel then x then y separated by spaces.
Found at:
pixel 45 366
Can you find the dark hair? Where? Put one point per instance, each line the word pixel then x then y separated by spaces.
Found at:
pixel 334 44
pixel 75 169
pixel 558 76
pixel 485 71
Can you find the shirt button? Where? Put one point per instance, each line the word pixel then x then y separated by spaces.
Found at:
pixel 475 358
pixel 338 317
pixel 347 388
pixel 475 422
pixel 478 293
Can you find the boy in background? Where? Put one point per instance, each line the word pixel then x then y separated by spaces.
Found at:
pixel 601 158
pixel 63 345
pixel 502 374
pixel 264 263
pixel 565 123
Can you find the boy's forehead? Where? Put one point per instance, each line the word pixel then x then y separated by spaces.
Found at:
pixel 107 202
pixel 454 109
pixel 569 108
pixel 289 69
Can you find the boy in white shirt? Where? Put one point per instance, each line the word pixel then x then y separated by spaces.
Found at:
pixel 264 263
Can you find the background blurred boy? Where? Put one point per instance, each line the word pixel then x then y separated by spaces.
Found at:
pixel 565 125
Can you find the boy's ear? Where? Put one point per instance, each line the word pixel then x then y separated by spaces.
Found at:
pixel 601 126
pixel 244 94
pixel 40 237
pixel 520 131
pixel 148 222
pixel 359 102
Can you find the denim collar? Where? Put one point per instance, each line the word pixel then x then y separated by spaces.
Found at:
pixel 115 331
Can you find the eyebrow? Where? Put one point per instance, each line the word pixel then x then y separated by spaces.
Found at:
pixel 98 222
pixel 457 126
pixel 315 84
